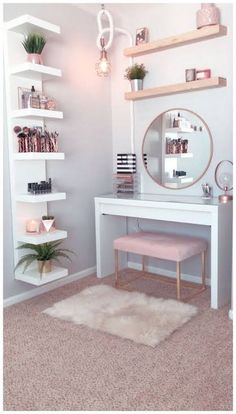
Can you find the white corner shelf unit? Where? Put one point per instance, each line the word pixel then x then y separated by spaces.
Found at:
pixel 20 73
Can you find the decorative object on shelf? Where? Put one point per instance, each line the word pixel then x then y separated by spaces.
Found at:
pixel 48 222
pixel 33 226
pixel 203 74
pixel 190 75
pixel 181 122
pixel 141 36
pixel 34 44
pixel 44 187
pixel 224 180
pixel 208 15
pixel 30 98
pixel 33 139
pixel 103 67
pixel 176 146
pixel 207 191
pixel 135 74
pixel 43 254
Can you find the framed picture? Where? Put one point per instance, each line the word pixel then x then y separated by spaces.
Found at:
pixel 141 35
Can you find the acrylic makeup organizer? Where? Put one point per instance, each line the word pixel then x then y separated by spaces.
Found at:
pixel 26 206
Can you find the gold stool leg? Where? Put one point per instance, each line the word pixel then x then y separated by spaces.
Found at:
pixel 116 267
pixel 178 279
pixel 143 263
pixel 203 268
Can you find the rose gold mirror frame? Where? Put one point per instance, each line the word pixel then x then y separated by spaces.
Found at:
pixel 211 148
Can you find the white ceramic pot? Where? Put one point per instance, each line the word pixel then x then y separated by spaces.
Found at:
pixel 136 84
pixel 48 224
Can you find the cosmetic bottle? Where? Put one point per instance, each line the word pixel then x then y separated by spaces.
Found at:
pixel 34 101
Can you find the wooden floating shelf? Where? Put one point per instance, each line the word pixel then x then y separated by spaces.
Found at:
pixel 34 278
pixel 26 24
pixel 36 113
pixel 36 72
pixel 42 237
pixel 183 155
pixel 216 82
pixel 40 198
pixel 38 156
pixel 208 32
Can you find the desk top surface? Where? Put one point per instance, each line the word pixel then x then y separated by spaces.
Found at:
pixel 164 198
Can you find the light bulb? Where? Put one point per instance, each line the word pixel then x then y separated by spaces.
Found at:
pixel 103 67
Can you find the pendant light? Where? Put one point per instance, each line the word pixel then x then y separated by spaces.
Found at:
pixel 103 67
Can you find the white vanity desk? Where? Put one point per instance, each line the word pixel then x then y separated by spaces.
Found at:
pixel 111 222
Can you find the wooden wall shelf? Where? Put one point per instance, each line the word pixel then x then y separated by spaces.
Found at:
pixel 208 32
pixel 216 82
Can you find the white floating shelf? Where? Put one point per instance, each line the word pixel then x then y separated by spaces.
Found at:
pixel 40 198
pixel 183 155
pixel 36 113
pixel 36 72
pixel 179 130
pixel 34 278
pixel 42 237
pixel 29 156
pixel 26 24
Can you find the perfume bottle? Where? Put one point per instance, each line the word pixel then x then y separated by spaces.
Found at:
pixel 33 100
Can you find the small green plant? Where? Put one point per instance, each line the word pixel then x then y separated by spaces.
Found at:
pixel 136 71
pixel 42 252
pixel 34 43
pixel 47 217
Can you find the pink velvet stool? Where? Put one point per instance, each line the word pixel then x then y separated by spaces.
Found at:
pixel 162 246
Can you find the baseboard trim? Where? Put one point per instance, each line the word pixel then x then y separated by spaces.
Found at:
pixel 231 314
pixel 48 287
pixel 168 273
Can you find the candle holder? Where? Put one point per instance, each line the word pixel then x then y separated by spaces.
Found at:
pixel 33 226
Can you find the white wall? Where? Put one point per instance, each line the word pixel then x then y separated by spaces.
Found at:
pixel 167 67
pixel 85 134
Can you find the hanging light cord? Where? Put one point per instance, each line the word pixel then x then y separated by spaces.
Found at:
pixel 111 29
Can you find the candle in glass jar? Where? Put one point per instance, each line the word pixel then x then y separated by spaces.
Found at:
pixel 33 226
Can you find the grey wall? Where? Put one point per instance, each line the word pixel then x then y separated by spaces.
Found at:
pixel 85 135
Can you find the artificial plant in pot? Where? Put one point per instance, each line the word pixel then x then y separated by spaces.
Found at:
pixel 135 74
pixel 43 254
pixel 34 44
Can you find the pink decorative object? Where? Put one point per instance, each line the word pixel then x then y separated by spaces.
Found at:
pixel 35 58
pixel 33 226
pixel 208 15
pixel 51 105
pixel 203 74
pixel 48 224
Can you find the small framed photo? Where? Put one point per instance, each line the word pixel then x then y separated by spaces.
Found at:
pixel 141 35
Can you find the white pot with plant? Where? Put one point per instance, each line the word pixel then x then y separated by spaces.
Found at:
pixel 135 74
pixel 34 44
pixel 44 254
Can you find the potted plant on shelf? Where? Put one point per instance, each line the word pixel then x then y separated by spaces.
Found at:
pixel 43 254
pixel 135 74
pixel 34 44
pixel 48 222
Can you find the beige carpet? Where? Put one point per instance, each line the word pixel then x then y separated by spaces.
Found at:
pixel 132 315
pixel 51 364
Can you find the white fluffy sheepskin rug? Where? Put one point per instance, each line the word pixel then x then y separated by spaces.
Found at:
pixel 133 315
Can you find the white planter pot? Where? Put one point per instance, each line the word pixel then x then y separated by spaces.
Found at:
pixel 136 85
pixel 48 224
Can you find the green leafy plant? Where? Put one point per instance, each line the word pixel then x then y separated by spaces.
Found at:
pixel 34 43
pixel 42 252
pixel 136 71
pixel 47 217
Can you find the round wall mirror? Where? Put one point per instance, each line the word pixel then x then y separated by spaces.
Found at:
pixel 177 148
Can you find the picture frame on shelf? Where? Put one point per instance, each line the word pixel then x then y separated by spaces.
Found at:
pixel 142 35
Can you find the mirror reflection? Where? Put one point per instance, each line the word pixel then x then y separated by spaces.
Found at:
pixel 177 148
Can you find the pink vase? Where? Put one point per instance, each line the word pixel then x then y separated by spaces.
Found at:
pixel 208 15
pixel 35 58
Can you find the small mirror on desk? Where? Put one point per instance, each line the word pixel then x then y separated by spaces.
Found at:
pixel 177 148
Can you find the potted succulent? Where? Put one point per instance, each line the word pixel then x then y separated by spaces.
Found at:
pixel 135 74
pixel 34 44
pixel 44 254
pixel 48 222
